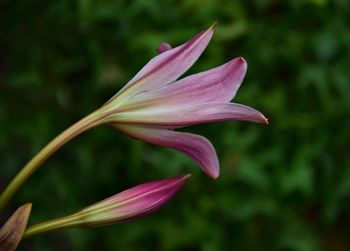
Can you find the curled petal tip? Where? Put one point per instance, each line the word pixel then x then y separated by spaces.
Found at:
pixel 260 118
pixel 163 47
pixel 214 175
pixel 264 120
pixel 256 116
pixel 213 171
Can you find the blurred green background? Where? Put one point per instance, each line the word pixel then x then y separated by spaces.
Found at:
pixel 285 186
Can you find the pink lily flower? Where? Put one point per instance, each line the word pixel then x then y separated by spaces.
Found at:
pixel 128 205
pixel 154 103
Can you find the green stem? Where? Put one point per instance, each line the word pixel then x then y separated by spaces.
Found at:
pixel 52 225
pixel 76 129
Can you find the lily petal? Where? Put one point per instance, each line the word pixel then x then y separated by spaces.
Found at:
pixel 186 115
pixel 219 84
pixel 164 68
pixel 196 147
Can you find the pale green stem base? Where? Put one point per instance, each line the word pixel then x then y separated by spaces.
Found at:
pixel 52 225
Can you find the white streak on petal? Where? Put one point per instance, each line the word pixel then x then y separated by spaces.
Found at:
pixel 185 115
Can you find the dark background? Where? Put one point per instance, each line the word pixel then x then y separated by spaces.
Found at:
pixel 285 186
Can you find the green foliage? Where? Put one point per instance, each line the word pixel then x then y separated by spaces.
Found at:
pixel 285 186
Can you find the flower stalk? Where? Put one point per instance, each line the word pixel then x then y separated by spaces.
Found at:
pixel 76 129
pixel 52 225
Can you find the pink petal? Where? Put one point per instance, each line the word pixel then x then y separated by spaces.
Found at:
pixel 219 84
pixel 186 115
pixel 166 67
pixel 196 147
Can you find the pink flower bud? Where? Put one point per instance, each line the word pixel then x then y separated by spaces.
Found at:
pixel 133 203
pixel 128 205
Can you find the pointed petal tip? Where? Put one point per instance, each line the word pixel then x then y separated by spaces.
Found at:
pixel 210 30
pixel 28 206
pixel 213 26
pixel 242 59
pixel 213 174
pixel 266 121
pixel 258 117
pixel 263 120
pixel 187 176
pixel 243 63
